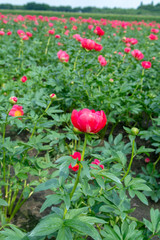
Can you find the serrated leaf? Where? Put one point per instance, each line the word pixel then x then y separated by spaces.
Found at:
pixel 3 202
pixel 51 183
pixel 142 197
pixel 51 200
pixel 82 228
pixel 110 176
pixel 47 226
pixel 64 234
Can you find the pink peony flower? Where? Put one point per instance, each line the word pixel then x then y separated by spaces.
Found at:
pixel 146 64
pixel 63 56
pixel 97 162
pixel 127 50
pixel 88 121
pixel 16 111
pixel 51 32
pixel 99 31
pixel 153 37
pixel 137 54
pixel 102 60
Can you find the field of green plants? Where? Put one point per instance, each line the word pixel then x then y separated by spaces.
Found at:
pixel 110 16
pixel 79 105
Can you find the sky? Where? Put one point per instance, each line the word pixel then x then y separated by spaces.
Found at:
pixel 85 3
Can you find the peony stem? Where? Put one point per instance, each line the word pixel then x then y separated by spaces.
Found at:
pixel 75 63
pixel 46 50
pixel 79 172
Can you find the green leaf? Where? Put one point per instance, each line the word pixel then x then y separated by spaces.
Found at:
pixel 64 234
pixel 142 187
pixel 141 197
pixel 142 149
pixel 155 218
pixel 63 159
pixel 3 202
pixel 122 158
pixel 118 139
pixel 109 176
pixel 13 234
pixel 51 183
pixel 109 233
pixel 47 226
pixel 51 200
pixel 127 180
pixel 90 220
pixel 75 212
pixel 82 228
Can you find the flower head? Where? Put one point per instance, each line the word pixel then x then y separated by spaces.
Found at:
pixel 24 79
pixel 16 111
pixel 146 64
pixel 137 54
pixel 88 121
pixel 127 49
pixel 147 160
pixel 102 60
pixel 97 162
pixel 153 37
pixel 63 56
pixel 77 156
pixel 99 31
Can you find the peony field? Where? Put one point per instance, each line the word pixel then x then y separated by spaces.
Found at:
pixel 79 128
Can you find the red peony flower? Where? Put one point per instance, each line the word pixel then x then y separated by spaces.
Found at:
pixel 127 49
pixel 57 36
pixel 137 54
pixel 147 160
pixel 153 37
pixel 102 60
pixel 99 31
pixel 98 47
pixel 87 43
pixel 24 79
pixel 9 33
pixel 63 56
pixel 16 111
pixel 154 30
pixel 76 155
pixel 51 32
pixel 88 121
pixel 146 64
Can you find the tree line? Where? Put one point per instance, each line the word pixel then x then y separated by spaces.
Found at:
pixel 141 10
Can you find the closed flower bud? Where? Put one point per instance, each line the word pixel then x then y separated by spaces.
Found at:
pixel 134 131
pixel 53 96
pixel 13 100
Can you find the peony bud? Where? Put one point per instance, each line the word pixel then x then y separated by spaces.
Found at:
pixel 13 100
pixel 147 160
pixel 53 96
pixel 134 131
